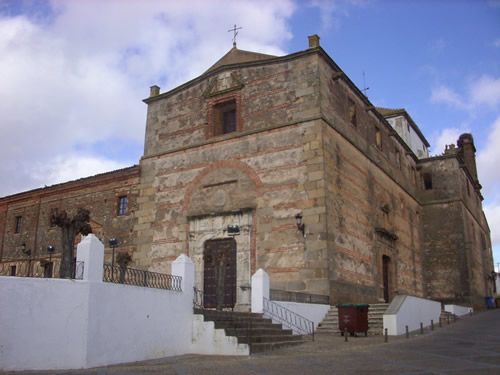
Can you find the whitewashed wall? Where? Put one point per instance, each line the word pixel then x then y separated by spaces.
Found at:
pixel 260 290
pixel 312 311
pixel 410 311
pixel 458 310
pixel 49 324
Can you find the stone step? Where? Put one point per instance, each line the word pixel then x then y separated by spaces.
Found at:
pixel 269 339
pixel 252 329
pixel 268 346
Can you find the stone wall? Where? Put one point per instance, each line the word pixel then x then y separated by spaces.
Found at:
pixel 98 194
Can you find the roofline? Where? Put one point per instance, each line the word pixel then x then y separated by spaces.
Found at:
pixel 81 182
pixel 413 125
pixel 279 59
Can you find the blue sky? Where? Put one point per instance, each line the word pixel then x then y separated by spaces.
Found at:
pixel 74 72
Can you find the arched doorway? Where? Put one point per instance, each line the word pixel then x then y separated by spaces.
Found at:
pixel 219 276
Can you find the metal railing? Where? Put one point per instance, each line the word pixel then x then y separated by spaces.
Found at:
pixel 148 279
pixel 40 268
pixel 198 299
pixel 284 295
pixel 288 318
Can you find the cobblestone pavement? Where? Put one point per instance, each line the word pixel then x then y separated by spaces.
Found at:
pixel 469 346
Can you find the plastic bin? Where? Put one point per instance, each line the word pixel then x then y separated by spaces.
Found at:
pixel 490 302
pixel 353 318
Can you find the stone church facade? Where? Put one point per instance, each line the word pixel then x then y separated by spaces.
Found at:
pixel 281 163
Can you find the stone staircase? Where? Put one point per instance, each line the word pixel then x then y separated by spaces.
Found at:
pixel 447 317
pixel 330 325
pixel 252 329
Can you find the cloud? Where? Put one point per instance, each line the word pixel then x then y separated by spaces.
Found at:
pixel 488 160
pixel 73 77
pixel 443 94
pixel 445 137
pixel 331 10
pixel 482 92
pixel 485 91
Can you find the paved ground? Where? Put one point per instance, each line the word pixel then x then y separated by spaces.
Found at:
pixel 469 346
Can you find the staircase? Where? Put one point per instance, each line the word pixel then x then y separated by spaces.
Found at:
pixel 330 325
pixel 252 329
pixel 447 317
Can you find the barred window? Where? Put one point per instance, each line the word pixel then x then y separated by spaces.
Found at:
pixel 122 205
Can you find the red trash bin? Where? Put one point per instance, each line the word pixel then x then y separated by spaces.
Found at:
pixel 353 318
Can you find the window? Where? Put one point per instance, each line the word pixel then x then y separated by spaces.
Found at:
pixel 122 205
pixel 53 212
pixel 398 158
pixel 18 224
pixel 427 181
pixel 13 270
pixel 378 138
pixel 351 115
pixel 224 117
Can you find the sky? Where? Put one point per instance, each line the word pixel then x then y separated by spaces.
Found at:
pixel 73 73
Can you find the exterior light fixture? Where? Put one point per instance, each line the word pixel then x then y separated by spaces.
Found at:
pixel 113 242
pixel 300 225
pixel 233 230
pixel 50 250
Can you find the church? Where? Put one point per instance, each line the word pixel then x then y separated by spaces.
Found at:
pixel 280 163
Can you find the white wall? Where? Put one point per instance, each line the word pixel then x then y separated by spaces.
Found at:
pixel 410 311
pixel 49 324
pixel 43 323
pixel 314 312
pixel 458 310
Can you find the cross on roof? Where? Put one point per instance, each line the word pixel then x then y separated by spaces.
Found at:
pixel 235 31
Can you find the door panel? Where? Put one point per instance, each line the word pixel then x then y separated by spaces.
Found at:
pixel 219 273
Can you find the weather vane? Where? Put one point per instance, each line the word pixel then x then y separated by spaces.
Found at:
pixel 235 31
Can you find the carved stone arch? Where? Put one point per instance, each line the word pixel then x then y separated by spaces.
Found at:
pixel 224 186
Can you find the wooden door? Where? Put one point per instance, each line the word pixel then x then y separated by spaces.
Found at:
pixel 386 261
pixel 219 278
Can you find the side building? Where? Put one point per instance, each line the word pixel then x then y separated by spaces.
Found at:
pixel 282 163
pixel 26 231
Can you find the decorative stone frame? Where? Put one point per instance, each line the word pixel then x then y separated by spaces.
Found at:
pixel 213 102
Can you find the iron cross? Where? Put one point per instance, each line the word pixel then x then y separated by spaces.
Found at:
pixel 235 31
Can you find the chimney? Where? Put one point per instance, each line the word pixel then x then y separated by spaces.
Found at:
pixel 154 91
pixel 313 41
pixel 467 152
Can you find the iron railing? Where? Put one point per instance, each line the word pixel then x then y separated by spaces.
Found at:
pixel 286 296
pixel 288 318
pixel 40 268
pixel 198 299
pixel 132 276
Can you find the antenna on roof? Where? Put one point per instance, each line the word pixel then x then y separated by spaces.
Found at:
pixel 364 89
pixel 235 31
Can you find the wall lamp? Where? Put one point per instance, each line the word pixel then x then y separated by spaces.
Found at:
pixel 300 225
pixel 113 242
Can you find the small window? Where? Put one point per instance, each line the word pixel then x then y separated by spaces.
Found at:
pixel 13 270
pixel 18 224
pixel 53 212
pixel 352 112
pixel 225 117
pixel 398 158
pixel 427 181
pixel 122 205
pixel 378 138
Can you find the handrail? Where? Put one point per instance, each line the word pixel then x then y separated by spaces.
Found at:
pixel 132 276
pixel 288 318
pixel 289 296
